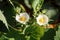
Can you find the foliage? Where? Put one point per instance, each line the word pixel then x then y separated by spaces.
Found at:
pixel 11 27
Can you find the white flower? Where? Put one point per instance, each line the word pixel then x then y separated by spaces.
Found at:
pixel 42 19
pixel 22 18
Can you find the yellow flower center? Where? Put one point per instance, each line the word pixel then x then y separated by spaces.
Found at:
pixel 42 20
pixel 22 18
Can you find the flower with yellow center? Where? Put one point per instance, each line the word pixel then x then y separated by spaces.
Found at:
pixel 42 19
pixel 22 18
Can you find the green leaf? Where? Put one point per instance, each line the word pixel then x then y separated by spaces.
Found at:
pixel 51 12
pixel 13 34
pixel 1 0
pixel 3 37
pixel 49 35
pixel 37 4
pixel 35 32
pixel 27 3
pixel 2 18
pixel 34 4
pixel 57 36
pixel 11 39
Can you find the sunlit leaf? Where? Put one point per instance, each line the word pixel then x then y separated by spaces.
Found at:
pixel 35 32
pixel 2 18
pixel 27 3
pixel 37 4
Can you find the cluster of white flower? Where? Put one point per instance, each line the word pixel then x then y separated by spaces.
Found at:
pixel 24 17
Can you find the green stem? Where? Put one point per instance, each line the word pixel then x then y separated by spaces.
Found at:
pixel 35 12
pixel 24 29
pixel 11 3
pixel 19 5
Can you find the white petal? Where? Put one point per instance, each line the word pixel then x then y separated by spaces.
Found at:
pixel 22 14
pixel 26 15
pixel 42 16
pixel 17 17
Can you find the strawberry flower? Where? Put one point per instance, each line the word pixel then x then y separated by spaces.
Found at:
pixel 22 18
pixel 42 19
